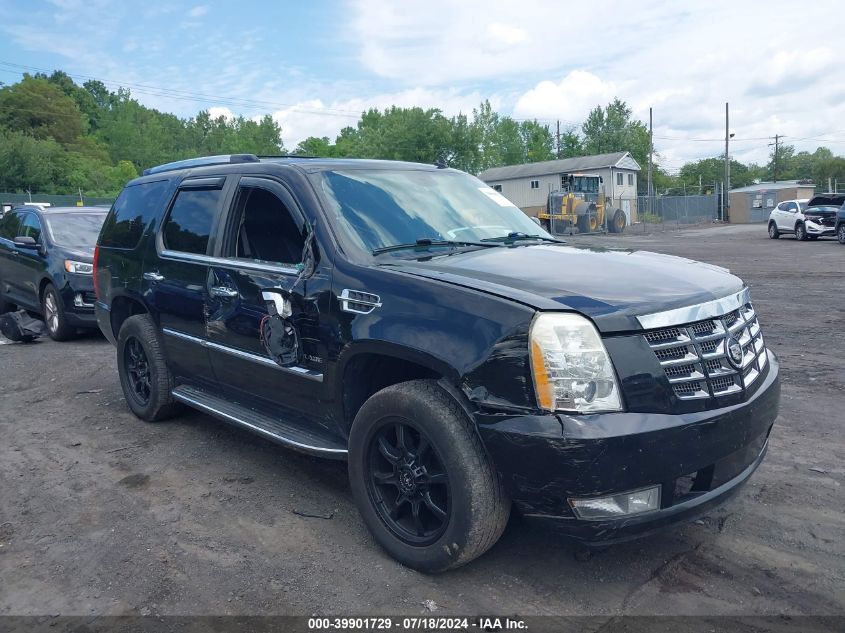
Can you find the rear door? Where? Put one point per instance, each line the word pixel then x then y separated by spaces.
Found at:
pixel 265 233
pixel 175 280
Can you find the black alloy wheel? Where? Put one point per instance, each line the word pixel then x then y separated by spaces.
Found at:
pixel 408 483
pixel 800 233
pixel 137 371
pixel 840 233
pixel 773 231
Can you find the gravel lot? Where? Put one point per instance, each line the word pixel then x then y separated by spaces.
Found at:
pixel 101 513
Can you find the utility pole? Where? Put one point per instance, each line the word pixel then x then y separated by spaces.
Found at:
pixel 650 160
pixel 726 190
pixel 775 158
pixel 558 138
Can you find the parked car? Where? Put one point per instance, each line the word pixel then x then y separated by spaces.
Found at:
pixel 46 257
pixel 411 320
pixel 806 219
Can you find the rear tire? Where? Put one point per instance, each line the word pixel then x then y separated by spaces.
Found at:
pixel 428 494
pixel 144 376
pixel 800 232
pixel 773 231
pixel 840 233
pixel 619 222
pixel 53 312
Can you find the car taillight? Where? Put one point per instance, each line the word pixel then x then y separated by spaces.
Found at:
pixel 94 272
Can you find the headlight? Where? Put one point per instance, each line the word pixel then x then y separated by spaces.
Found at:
pixel 80 268
pixel 571 367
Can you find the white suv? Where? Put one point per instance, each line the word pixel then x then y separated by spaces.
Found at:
pixel 806 219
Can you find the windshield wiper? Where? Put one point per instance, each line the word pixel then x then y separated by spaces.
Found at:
pixel 423 242
pixel 518 235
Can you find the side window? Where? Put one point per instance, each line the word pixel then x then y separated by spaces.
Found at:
pixel 619 177
pixel 264 228
pixel 535 184
pixel 132 211
pixel 30 226
pixel 781 207
pixel 630 180
pixel 9 226
pixel 791 207
pixel 189 223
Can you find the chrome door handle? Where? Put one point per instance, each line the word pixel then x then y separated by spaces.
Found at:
pixel 224 292
pixel 153 277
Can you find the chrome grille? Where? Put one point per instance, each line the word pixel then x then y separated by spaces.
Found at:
pixel 695 355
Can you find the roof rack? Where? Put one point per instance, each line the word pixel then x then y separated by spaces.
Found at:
pixel 204 161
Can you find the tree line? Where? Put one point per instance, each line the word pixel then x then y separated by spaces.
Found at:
pixel 59 137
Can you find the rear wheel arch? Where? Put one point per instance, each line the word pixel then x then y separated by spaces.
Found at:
pixel 123 307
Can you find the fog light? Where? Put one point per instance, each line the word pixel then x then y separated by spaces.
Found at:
pixel 619 505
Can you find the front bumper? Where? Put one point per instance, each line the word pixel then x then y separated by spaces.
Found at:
pixel 699 459
pixel 819 230
pixel 78 298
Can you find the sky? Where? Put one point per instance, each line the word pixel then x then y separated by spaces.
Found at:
pixel 315 66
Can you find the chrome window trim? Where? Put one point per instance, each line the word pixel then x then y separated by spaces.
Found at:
pixel 698 312
pixel 224 262
pixel 263 360
pixel 226 416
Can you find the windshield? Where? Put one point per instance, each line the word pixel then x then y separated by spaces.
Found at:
pixel 803 206
pixel 379 208
pixel 75 229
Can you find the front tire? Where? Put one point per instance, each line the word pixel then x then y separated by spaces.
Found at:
pixel 840 233
pixel 422 480
pixel 144 376
pixel 773 231
pixel 53 312
pixel 800 232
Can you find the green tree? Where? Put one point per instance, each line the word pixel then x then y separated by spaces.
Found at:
pixel 611 129
pixel 40 109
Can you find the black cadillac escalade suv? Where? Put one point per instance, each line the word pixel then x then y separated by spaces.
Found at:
pixel 411 320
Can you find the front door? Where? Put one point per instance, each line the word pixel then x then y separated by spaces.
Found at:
pixel 175 275
pixel 262 251
pixel 27 264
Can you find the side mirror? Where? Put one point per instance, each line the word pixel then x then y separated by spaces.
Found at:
pixel 25 241
pixel 536 220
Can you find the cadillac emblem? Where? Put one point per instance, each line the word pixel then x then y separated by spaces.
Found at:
pixel 734 352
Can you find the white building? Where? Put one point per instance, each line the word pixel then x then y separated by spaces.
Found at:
pixel 528 185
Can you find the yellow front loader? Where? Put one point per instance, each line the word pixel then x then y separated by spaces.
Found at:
pixel 580 204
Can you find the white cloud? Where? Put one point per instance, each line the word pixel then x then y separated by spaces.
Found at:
pixel 570 99
pixel 682 60
pixel 198 11
pixel 215 112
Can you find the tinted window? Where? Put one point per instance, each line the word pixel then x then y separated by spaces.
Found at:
pixel 132 211
pixel 75 229
pixel 30 226
pixel 189 223
pixel 9 226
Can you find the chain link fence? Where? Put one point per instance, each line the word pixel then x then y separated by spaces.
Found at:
pixel 55 200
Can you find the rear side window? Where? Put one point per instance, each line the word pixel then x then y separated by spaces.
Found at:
pixel 189 224
pixel 9 226
pixel 132 211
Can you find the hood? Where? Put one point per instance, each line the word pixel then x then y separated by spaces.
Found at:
pixel 76 253
pixel 610 286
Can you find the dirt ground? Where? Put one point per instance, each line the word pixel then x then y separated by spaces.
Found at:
pixel 101 513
